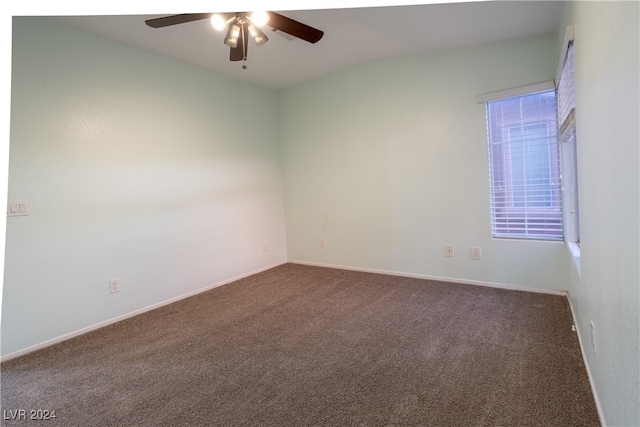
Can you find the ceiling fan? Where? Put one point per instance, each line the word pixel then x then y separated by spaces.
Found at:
pixel 241 25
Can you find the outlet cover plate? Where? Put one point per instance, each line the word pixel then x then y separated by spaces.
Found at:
pixel 448 250
pixel 114 286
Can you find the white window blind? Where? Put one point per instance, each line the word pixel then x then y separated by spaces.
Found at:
pixel 524 167
pixel 566 93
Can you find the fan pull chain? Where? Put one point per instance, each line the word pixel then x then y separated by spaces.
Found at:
pixel 245 42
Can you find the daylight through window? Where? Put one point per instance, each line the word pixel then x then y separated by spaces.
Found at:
pixel 524 167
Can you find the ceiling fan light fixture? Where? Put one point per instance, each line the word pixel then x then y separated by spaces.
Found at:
pixel 240 24
pixel 218 22
pixel 258 35
pixel 233 34
pixel 259 18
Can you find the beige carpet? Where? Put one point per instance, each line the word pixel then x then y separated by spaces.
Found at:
pixel 299 346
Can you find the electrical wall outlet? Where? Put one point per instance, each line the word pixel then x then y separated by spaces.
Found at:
pixel 594 344
pixel 114 286
pixel 476 252
pixel 265 248
pixel 448 250
pixel 323 243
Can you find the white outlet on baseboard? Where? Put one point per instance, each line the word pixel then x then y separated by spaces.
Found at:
pixel 114 286
pixel 476 252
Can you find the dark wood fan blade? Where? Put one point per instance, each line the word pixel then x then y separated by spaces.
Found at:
pixel 239 53
pixel 295 28
pixel 166 21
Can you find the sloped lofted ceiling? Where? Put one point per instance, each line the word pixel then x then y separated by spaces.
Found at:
pixel 352 36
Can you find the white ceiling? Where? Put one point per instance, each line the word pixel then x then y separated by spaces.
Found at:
pixel 352 36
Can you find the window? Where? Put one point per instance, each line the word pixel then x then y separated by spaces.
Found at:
pixel 524 166
pixel 568 146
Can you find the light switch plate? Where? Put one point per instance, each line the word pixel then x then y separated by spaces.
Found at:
pixel 17 208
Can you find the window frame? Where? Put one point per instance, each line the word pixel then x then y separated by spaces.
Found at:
pixel 528 222
pixel 568 140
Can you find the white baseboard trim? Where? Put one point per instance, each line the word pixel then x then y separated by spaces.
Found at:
pixel 438 278
pixel 603 422
pixel 102 324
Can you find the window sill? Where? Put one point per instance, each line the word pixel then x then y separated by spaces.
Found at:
pixel 574 252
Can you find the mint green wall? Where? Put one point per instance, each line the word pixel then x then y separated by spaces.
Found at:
pixel 607 290
pixel 135 167
pixel 387 161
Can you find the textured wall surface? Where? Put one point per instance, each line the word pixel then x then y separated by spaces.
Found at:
pixel 607 289
pixel 388 163
pixel 135 167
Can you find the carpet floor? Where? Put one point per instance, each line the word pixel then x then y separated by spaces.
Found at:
pixel 309 346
